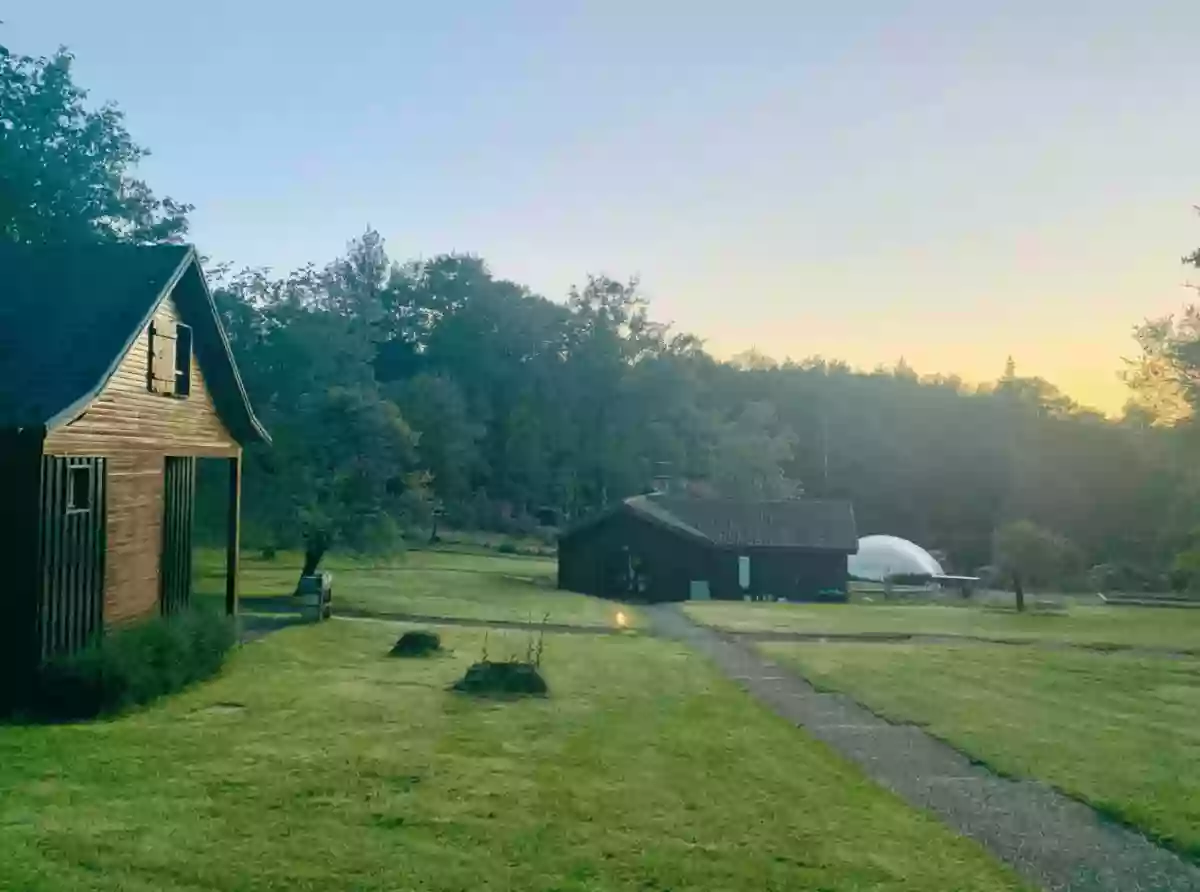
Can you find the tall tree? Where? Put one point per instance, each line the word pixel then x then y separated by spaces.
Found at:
pixel 66 170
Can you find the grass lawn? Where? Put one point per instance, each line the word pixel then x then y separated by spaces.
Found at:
pixel 1118 730
pixel 428 583
pixel 1139 626
pixel 315 762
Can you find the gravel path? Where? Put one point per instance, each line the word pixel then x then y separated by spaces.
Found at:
pixel 1050 839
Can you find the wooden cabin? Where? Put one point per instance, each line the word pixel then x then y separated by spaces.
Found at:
pixel 115 377
pixel 670 548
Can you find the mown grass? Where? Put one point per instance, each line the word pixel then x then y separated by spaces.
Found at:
pixel 1117 730
pixel 1177 628
pixel 317 762
pixel 426 583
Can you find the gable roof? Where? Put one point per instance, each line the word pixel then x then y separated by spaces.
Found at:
pixel 823 525
pixel 69 314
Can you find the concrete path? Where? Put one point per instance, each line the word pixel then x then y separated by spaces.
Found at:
pixel 959 638
pixel 1048 838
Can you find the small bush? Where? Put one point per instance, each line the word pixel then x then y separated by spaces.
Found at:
pixel 511 678
pixel 508 548
pixel 417 643
pixel 134 665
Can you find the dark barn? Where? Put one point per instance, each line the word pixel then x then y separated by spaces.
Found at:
pixel 664 548
pixel 115 376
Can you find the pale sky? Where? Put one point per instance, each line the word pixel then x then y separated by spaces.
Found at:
pixel 948 181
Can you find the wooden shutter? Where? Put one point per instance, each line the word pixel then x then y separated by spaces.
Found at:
pixel 162 356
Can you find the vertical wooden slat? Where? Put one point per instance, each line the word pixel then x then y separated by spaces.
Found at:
pixel 179 488
pixel 189 527
pixel 71 553
pixel 233 534
pixel 100 546
pixel 71 566
pixel 60 564
pixel 46 549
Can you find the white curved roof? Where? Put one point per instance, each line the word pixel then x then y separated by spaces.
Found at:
pixel 882 556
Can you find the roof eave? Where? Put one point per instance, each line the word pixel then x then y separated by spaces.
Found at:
pixel 256 426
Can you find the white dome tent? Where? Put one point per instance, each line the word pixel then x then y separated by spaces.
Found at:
pixel 882 556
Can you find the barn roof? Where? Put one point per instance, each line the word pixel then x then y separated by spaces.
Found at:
pixel 69 314
pixel 825 525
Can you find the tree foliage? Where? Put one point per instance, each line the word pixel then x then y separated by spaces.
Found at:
pixel 393 388
pixel 66 169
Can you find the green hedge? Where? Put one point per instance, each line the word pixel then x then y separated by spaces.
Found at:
pixel 134 665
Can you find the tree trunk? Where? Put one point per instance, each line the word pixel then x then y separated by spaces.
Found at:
pixel 314 549
pixel 1019 591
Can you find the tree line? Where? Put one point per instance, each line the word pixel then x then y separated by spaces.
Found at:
pixel 404 394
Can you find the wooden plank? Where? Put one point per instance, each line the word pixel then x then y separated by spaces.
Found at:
pixel 233 535
pixel 127 415
pixel 133 567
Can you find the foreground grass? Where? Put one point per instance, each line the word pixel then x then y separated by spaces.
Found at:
pixel 426 583
pixel 1120 731
pixel 317 763
pixel 1130 626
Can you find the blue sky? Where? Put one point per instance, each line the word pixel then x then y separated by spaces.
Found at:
pixel 951 182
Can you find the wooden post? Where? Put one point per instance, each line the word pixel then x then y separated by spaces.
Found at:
pixel 233 534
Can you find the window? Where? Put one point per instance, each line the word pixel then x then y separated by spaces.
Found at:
pixel 744 572
pixel 161 374
pixel 183 360
pixel 79 488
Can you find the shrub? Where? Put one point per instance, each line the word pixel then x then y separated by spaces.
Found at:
pixel 417 643
pixel 134 665
pixel 508 548
pixel 505 679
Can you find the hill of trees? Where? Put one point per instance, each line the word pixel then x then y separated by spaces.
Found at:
pixel 401 391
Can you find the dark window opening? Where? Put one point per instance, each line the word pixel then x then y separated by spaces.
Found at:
pixel 183 360
pixel 79 488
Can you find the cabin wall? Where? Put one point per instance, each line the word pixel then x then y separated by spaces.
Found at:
pixel 593 559
pixel 127 417
pixel 792 573
pixel 136 430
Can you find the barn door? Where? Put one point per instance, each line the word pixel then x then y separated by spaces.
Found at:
pixel 71 553
pixel 179 499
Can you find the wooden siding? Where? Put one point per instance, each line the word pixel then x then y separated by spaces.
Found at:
pixel 127 416
pixel 135 535
pixel 71 552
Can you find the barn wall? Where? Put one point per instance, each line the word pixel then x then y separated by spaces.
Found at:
pixel 127 417
pixel 794 574
pixel 588 559
pixel 20 475
pixel 136 430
